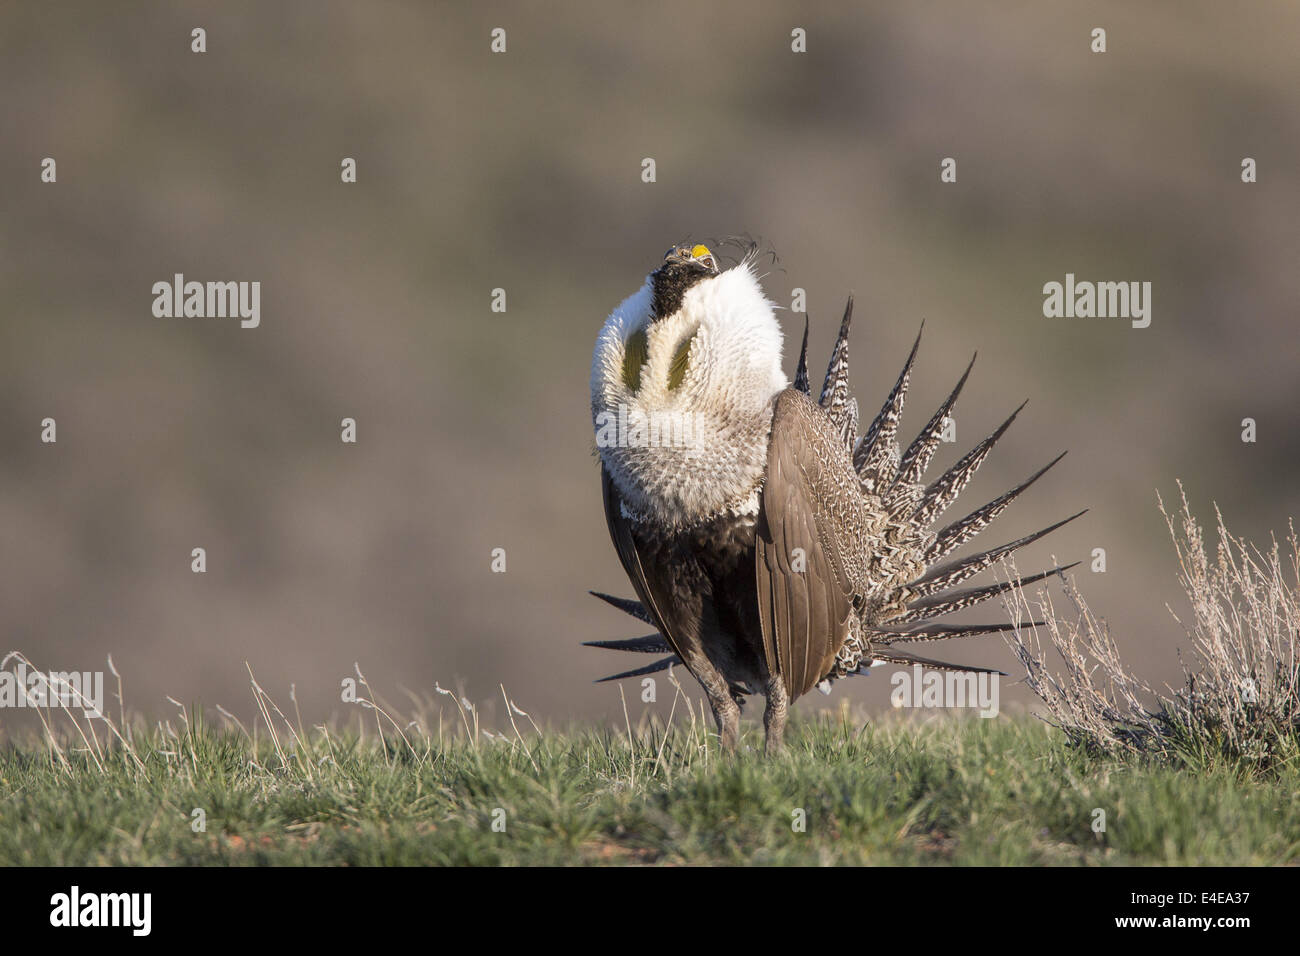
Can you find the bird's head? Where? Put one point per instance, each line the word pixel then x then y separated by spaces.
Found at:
pixel 683 267
pixel 691 258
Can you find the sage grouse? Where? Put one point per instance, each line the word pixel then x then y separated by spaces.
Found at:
pixel 773 549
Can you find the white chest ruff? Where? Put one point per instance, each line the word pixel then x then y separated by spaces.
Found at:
pixel 745 507
pixel 677 496
pixel 684 448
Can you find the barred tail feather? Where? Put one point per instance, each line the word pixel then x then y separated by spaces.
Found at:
pixel 917 457
pixel 959 532
pixel 849 427
pixel 801 373
pixel 891 656
pixel 835 389
pixel 954 572
pixel 937 605
pixel 875 451
pixel 949 485
pixel 941 632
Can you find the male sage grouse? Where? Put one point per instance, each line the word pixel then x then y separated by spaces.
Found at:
pixel 773 549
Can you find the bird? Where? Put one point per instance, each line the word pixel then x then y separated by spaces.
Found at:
pixel 773 548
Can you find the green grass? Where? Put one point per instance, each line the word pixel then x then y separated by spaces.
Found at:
pixel 1002 791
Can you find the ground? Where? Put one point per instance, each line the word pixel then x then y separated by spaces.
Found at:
pixel 1001 791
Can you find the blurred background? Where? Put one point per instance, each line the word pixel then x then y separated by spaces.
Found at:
pixel 522 171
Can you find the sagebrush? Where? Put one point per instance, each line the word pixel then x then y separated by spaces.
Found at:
pixel 1240 698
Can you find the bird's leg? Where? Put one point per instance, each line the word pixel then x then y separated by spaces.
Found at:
pixel 727 715
pixel 726 712
pixel 774 713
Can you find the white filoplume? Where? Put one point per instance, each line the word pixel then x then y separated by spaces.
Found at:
pixel 724 402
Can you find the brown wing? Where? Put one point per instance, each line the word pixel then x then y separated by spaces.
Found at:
pixel 811 502
pixel 648 586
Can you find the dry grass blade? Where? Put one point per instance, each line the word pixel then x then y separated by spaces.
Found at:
pixel 70 698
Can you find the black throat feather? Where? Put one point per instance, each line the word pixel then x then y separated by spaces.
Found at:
pixel 670 282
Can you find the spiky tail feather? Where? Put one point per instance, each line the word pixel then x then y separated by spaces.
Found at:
pixel 654 668
pixel 891 656
pixel 650 644
pixel 635 608
pixel 876 455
